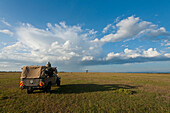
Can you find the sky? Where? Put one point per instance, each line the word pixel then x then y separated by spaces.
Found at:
pixel 75 35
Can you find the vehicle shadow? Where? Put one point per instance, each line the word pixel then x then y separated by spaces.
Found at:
pixel 84 88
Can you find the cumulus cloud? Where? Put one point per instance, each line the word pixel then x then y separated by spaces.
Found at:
pixel 167 55
pixel 131 56
pixel 128 53
pixel 57 43
pixel 6 31
pixel 87 58
pixel 134 27
pixel 151 53
pixel 73 47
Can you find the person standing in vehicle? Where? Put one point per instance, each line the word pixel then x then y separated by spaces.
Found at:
pixel 49 70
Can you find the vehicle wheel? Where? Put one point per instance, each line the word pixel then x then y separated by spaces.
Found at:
pixel 29 91
pixel 58 82
pixel 48 88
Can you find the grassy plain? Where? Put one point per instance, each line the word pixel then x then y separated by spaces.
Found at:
pixel 90 92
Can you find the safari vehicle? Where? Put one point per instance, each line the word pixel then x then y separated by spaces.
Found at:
pixel 39 77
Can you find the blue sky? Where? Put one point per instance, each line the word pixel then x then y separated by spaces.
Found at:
pixel 102 35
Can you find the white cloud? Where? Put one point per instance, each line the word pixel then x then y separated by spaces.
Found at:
pixel 133 27
pixel 3 43
pixel 117 19
pixel 168 44
pixel 167 55
pixel 73 47
pixel 132 53
pixel 59 44
pixel 9 66
pixel 151 53
pixel 130 56
pixel 11 48
pixel 124 45
pixel 113 27
pixel 92 32
pixel 152 33
pixel 6 31
pixel 4 22
pixel 112 55
pixel 106 28
pixel 128 53
pixel 87 58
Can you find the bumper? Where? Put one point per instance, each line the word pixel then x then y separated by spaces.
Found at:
pixel 32 87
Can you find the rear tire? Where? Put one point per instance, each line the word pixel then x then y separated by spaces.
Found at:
pixel 29 90
pixel 48 88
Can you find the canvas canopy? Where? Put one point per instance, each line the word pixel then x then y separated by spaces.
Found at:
pixel 33 71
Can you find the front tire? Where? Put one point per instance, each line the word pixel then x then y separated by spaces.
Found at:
pixel 58 81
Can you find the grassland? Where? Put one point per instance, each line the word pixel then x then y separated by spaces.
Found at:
pixel 90 92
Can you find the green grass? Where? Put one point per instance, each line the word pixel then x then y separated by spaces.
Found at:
pixel 90 92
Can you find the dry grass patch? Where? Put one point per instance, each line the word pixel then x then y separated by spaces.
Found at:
pixel 90 92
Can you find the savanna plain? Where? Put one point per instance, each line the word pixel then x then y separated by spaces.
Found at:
pixel 90 92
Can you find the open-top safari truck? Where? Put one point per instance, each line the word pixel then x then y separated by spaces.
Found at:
pixel 39 77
